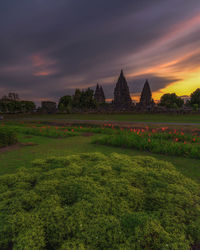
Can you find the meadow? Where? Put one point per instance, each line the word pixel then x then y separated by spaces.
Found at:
pixel 99 187
pixel 126 117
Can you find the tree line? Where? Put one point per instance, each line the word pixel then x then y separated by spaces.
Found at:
pixel 174 102
pixel 84 99
pixel 11 103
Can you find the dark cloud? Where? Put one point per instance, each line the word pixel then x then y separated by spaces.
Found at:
pixel 49 47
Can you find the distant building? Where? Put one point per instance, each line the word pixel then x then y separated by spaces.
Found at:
pixel 122 99
pixel 146 101
pixel 48 107
pixel 185 98
pixel 99 94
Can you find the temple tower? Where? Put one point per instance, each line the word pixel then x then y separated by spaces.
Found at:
pixel 99 94
pixel 146 100
pixel 122 99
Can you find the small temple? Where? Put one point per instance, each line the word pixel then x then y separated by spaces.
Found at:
pixel 99 94
pixel 146 101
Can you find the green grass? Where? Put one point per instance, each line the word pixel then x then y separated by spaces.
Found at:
pixel 23 156
pixel 157 118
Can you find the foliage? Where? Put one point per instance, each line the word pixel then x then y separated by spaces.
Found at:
pixel 7 137
pixel 16 106
pixel 65 103
pixel 11 97
pixel 195 98
pixel 171 101
pixel 83 99
pixel 91 201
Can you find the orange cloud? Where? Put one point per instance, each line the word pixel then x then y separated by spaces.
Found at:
pixel 42 65
pixel 42 73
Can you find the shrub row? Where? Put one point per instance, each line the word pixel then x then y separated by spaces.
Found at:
pixel 93 201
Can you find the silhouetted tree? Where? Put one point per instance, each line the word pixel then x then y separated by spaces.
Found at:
pixel 65 103
pixel 27 106
pixel 12 104
pixel 76 99
pixel 13 96
pixel 87 99
pixel 171 101
pixel 83 99
pixel 195 98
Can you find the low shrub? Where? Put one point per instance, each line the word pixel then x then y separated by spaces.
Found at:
pixel 93 201
pixel 7 137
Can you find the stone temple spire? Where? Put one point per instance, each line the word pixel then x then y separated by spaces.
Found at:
pixel 99 94
pixel 146 97
pixel 122 99
pixel 102 94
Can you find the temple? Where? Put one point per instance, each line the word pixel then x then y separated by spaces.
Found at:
pixel 146 101
pixel 122 99
pixel 99 94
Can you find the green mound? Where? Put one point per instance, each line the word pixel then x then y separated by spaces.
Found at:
pixel 93 201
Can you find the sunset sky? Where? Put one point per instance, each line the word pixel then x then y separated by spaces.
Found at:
pixel 50 47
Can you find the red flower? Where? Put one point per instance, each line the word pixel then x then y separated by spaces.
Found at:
pixel 176 139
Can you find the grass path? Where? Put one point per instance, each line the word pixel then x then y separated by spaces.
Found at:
pixel 46 147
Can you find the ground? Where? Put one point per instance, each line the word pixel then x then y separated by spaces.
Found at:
pixel 50 136
pixel 43 147
pixel 141 118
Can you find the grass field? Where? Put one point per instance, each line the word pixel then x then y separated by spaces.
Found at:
pixel 61 189
pixel 147 118
pixel 22 156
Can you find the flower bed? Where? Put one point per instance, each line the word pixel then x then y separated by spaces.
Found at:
pixel 161 142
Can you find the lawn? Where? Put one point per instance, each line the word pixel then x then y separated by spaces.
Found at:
pixel 45 147
pixel 147 118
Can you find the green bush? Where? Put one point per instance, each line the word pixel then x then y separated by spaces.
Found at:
pixel 93 201
pixel 7 137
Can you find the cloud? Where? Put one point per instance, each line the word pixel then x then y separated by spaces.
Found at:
pixel 50 47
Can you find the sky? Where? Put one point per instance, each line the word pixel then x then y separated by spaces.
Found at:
pixel 50 47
